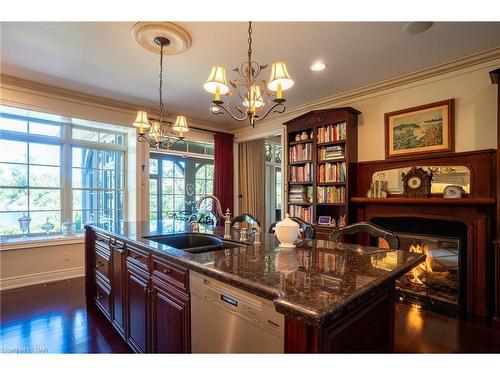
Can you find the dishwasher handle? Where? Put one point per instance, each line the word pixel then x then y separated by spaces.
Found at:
pixel 223 292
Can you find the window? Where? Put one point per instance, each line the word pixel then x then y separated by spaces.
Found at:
pixel 176 182
pixel 273 182
pixel 87 184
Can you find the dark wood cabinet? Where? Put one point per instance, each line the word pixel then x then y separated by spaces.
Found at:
pixel 117 285
pixel 170 314
pixel 146 298
pixel 137 308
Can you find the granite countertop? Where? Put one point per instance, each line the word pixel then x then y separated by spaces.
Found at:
pixel 310 283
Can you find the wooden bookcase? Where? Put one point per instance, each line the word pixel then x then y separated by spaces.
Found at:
pixel 313 124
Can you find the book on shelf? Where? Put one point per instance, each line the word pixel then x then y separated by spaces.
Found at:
pixel 331 172
pixel 300 152
pixel 301 173
pixel 300 194
pixel 302 212
pixel 331 194
pixel 331 153
pixel 331 133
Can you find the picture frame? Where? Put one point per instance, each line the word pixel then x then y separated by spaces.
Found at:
pixel 426 129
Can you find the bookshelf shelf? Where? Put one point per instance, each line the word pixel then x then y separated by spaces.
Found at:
pixel 336 128
pixel 300 162
pixel 300 142
pixel 332 143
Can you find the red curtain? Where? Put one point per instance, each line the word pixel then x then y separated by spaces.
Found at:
pixel 223 173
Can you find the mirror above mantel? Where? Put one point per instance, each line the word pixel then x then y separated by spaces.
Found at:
pixel 443 176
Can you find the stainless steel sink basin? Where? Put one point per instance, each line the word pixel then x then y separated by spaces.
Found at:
pixel 194 242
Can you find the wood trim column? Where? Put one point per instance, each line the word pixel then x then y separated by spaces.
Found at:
pixel 495 79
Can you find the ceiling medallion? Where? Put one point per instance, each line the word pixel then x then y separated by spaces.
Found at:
pixel 145 33
pixel 166 40
pixel 253 99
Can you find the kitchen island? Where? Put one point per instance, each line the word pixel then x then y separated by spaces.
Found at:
pixel 333 297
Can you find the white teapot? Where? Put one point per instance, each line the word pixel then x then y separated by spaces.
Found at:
pixel 287 232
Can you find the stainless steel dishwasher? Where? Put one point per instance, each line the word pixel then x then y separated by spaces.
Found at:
pixel 225 319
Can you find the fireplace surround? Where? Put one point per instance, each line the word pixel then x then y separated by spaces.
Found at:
pixel 474 211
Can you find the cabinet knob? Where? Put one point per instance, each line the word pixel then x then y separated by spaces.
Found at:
pixel 99 264
pixel 135 256
pixel 167 270
pixel 99 296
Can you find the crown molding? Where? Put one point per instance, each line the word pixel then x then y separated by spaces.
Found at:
pixel 21 84
pixel 406 79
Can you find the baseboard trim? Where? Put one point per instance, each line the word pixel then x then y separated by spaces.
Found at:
pixel 40 278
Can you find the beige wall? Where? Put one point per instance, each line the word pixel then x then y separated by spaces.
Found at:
pixel 29 266
pixel 475 109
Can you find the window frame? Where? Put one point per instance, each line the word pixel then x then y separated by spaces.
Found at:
pixel 66 142
pixel 190 170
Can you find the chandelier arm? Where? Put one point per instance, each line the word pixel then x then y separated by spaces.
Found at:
pixel 273 109
pixel 222 107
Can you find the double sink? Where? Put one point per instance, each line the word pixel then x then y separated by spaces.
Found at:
pixel 195 243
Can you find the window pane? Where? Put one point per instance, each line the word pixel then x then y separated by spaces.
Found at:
pixel 13 199
pixel 168 168
pixel 110 138
pixel 179 169
pixel 39 218
pixel 153 203
pixel 153 186
pixel 13 151
pixel 168 186
pixel 13 125
pixel 45 154
pixel 13 174
pixel 85 135
pixel 45 199
pixel 53 130
pixel 153 166
pixel 210 149
pixel 9 223
pixel 41 176
pixel 197 147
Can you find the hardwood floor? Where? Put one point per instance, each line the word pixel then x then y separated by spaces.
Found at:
pixel 53 319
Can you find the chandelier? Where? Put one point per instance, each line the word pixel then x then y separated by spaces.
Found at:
pixel 158 131
pixel 254 95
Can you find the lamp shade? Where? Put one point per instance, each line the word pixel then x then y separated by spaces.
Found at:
pixel 217 79
pixel 141 121
pixel 279 75
pixel 254 98
pixel 180 124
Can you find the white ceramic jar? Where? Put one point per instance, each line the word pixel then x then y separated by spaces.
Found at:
pixel 287 231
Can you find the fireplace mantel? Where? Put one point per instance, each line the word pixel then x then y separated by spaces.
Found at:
pixel 426 201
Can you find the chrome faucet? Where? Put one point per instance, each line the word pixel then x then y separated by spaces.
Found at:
pixel 258 234
pixel 227 215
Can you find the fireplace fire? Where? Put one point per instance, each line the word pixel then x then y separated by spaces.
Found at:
pixel 437 278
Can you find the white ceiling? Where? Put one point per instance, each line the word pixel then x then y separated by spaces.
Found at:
pixel 103 58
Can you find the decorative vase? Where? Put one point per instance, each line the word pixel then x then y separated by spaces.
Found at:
pixel 304 136
pixel 24 224
pixel 67 228
pixel 297 137
pixel 47 227
pixel 287 231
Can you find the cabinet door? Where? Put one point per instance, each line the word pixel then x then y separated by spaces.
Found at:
pixel 170 324
pixel 117 286
pixel 137 308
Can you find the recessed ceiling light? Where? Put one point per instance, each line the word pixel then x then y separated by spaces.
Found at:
pixel 318 66
pixel 414 28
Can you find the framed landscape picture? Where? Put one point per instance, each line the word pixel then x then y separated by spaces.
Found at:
pixel 419 130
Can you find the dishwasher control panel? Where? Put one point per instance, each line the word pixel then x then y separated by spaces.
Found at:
pixel 252 308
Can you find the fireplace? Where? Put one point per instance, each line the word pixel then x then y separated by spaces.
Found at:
pixel 439 284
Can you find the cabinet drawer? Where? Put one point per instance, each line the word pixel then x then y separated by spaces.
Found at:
pixel 102 262
pixel 171 273
pixel 103 298
pixel 102 240
pixel 138 257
